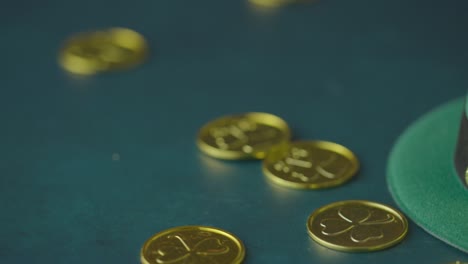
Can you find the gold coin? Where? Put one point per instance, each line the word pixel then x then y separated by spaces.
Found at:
pixel 357 226
pixel 93 52
pixel 194 245
pixel 80 54
pixel 242 136
pixel 271 3
pixel 310 164
pixel 125 49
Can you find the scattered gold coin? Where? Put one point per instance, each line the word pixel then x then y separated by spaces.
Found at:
pixel 242 136
pixel 93 52
pixel 194 245
pixel 357 226
pixel 310 164
pixel 271 3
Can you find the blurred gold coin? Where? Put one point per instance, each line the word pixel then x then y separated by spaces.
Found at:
pixel 310 164
pixel 271 3
pixel 242 136
pixel 194 245
pixel 126 48
pixel 80 54
pixel 357 226
pixel 93 52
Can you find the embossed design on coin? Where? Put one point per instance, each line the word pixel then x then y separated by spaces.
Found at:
pixel 193 244
pixel 355 222
pixel 177 248
pixel 242 136
pixel 310 164
pixel 357 226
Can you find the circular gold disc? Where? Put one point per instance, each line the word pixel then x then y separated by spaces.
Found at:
pixel 310 164
pixel 194 245
pixel 271 3
pixel 80 55
pixel 126 48
pixel 242 136
pixel 93 52
pixel 357 226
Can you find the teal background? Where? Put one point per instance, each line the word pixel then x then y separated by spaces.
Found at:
pixel 354 72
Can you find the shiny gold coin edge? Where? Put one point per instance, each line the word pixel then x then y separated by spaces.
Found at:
pixel 239 258
pixel 383 207
pixel 239 155
pixel 297 185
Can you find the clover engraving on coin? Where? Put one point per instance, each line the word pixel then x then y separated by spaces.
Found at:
pixel 301 165
pixel 354 222
pixel 194 249
pixel 242 134
pixel 357 225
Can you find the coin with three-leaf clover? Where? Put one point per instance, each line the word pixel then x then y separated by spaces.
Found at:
pixel 357 226
pixel 242 136
pixel 194 245
pixel 310 164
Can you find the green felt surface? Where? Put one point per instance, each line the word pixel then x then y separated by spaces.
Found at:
pixel 422 179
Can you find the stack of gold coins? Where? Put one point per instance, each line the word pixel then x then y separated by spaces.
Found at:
pixel 105 50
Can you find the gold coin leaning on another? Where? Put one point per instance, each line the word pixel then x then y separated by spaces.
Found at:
pixel 310 164
pixel 242 136
pixel 92 52
pixel 357 226
pixel 193 244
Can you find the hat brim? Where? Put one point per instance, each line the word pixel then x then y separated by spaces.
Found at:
pixel 422 178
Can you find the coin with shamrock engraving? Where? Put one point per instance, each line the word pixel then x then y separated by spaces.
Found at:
pixel 357 226
pixel 193 244
pixel 242 136
pixel 310 164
